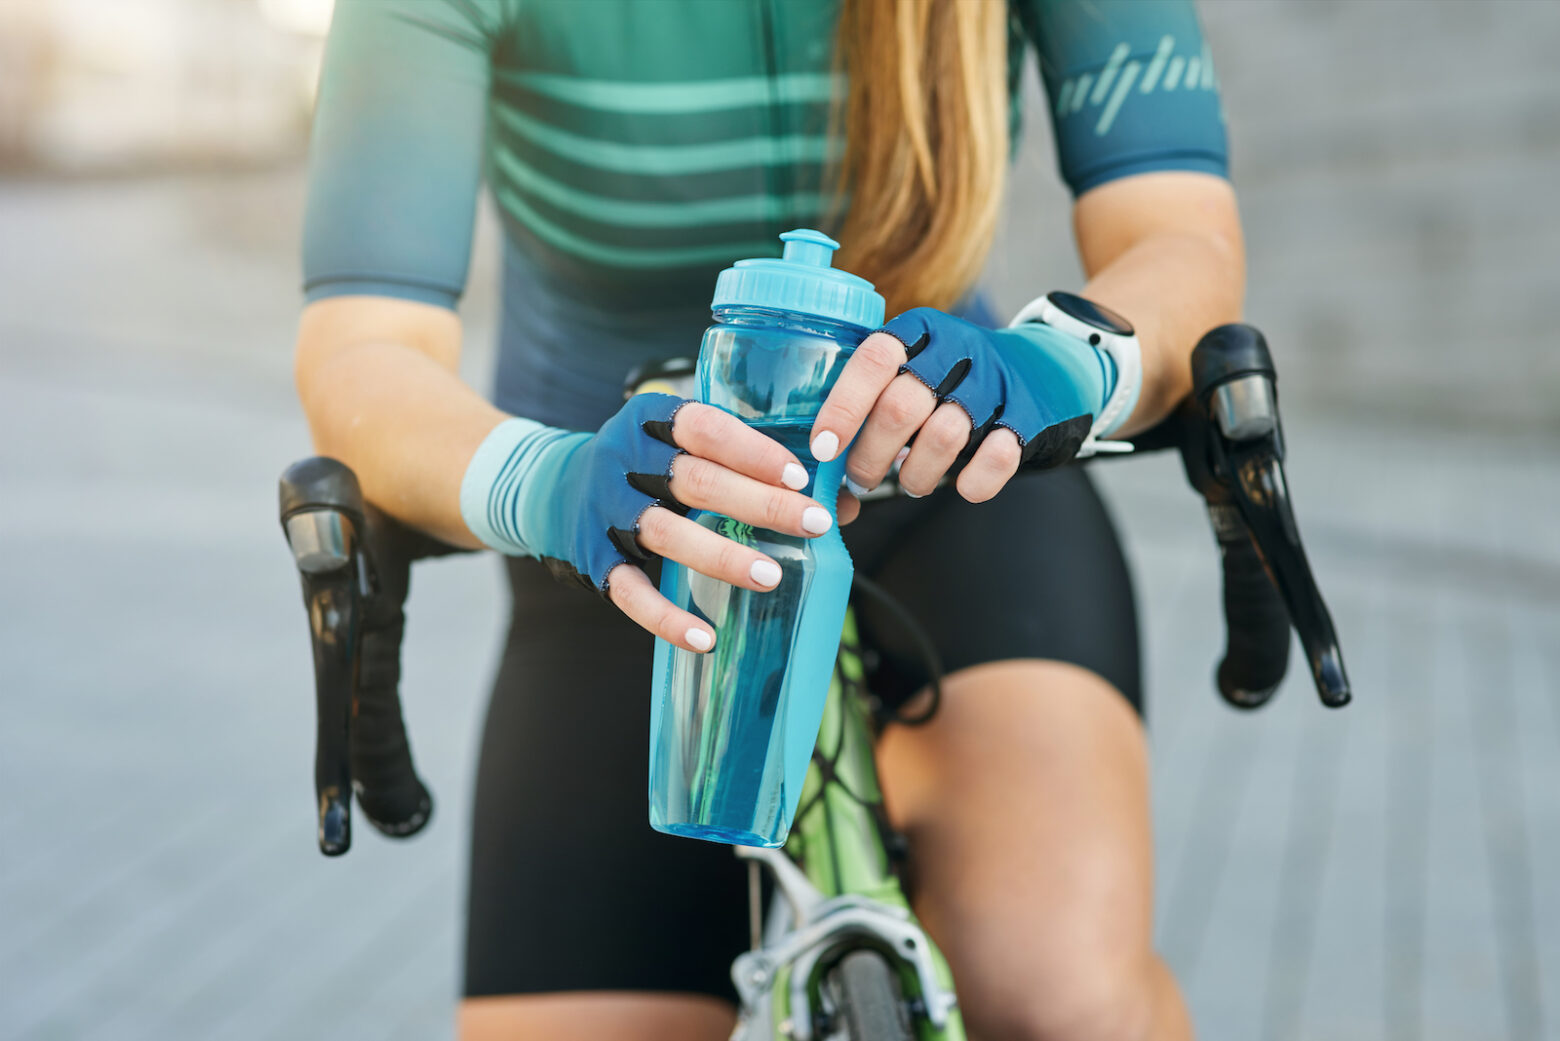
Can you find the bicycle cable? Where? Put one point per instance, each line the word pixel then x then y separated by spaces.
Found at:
pixel 923 646
pixel 827 762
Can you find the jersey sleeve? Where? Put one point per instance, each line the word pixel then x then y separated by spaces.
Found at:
pixel 395 161
pixel 1131 87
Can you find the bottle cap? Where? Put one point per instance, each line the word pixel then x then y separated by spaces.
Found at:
pixel 801 280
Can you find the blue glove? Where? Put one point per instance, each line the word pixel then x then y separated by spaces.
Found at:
pixel 574 500
pixel 1042 384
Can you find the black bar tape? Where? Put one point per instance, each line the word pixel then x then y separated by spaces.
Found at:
pixel 1256 654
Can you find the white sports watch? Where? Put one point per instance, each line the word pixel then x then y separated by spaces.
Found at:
pixel 1111 333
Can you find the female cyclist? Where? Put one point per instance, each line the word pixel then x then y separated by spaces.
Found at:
pixel 635 148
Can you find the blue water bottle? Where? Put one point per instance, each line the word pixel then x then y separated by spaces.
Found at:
pixel 731 731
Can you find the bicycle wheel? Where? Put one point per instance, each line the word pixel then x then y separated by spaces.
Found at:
pixel 870 1007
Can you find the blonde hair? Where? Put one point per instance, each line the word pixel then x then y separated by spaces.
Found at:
pixel 925 122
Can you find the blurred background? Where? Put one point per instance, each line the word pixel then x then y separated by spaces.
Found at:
pixel 1388 871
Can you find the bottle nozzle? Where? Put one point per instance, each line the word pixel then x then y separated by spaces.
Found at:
pixel 805 246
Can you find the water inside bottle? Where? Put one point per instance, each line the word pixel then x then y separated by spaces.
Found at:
pixel 734 709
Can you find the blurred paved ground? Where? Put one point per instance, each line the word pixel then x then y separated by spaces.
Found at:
pixel 1389 871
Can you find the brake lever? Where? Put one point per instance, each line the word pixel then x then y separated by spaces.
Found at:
pixel 355 564
pixel 1234 385
pixel 322 516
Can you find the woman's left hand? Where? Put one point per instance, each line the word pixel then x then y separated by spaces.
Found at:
pixel 1023 397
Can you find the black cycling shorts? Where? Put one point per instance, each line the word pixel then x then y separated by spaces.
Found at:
pixel 571 889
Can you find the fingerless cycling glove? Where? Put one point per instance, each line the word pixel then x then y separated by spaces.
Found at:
pixel 1042 384
pixel 573 500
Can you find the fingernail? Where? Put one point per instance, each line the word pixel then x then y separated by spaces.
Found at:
pixel 904 453
pixel 765 572
pixel 908 492
pixel 825 446
pixel 816 519
pixel 857 490
pixel 794 477
pixel 699 639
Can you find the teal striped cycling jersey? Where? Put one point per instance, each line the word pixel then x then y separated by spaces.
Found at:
pixel 636 147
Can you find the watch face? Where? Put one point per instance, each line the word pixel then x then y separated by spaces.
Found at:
pixel 1090 313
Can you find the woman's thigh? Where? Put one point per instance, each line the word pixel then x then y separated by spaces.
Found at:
pixel 591 1016
pixel 1026 805
pixel 1036 572
pixel 570 889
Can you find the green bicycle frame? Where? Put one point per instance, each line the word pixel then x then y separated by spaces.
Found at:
pixel 837 837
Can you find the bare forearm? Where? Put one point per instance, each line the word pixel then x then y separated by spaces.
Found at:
pixel 1173 288
pixel 402 420
pixel 1168 257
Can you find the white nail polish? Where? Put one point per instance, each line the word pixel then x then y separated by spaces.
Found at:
pixel 825 446
pixel 699 640
pixel 856 489
pixel 816 519
pixel 794 477
pixel 765 572
pixel 904 453
pixel 910 494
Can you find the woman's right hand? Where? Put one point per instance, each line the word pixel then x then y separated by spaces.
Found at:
pixel 594 507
